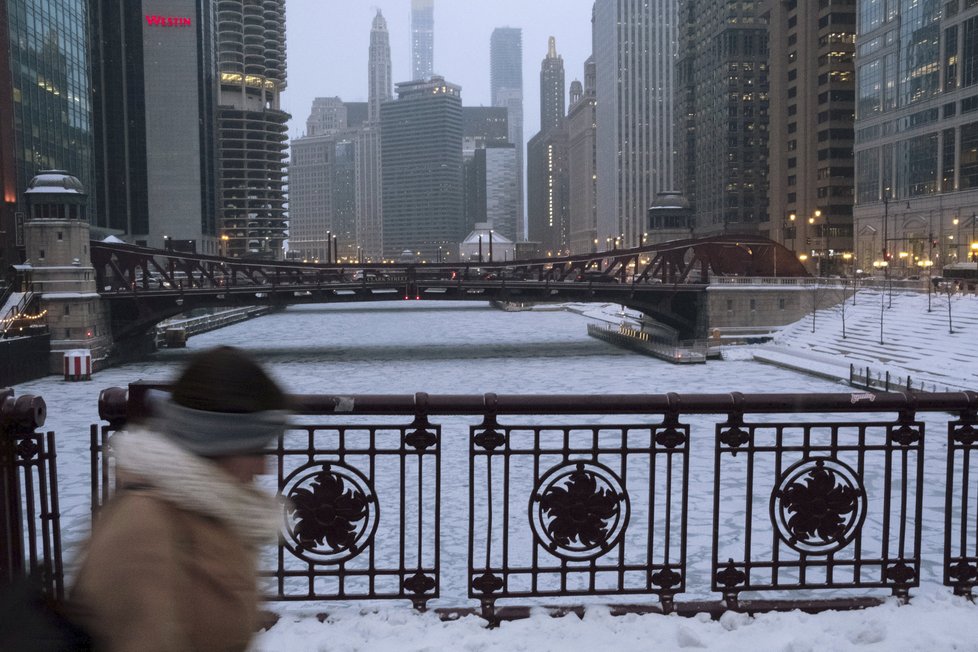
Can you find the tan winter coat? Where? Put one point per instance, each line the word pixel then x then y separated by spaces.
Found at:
pixel 159 578
pixel 171 565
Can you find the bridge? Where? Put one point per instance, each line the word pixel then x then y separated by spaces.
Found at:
pixel 664 281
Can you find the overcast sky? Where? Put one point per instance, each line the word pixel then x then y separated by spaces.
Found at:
pixel 328 42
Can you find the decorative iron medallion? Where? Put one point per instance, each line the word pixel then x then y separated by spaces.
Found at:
pixel 818 506
pixel 332 513
pixel 579 510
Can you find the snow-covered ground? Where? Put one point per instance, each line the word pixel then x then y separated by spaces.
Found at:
pixel 916 342
pixel 465 348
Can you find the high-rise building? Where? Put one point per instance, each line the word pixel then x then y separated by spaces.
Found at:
pixel 328 114
pixel 422 38
pixel 45 103
pixel 323 191
pixel 157 177
pixel 369 222
pixel 581 171
pixel 634 46
pixel 811 134
pixel 486 123
pixel 421 153
pixel 491 170
pixel 916 133
pixel 253 134
pixel 722 144
pixel 551 88
pixel 506 89
pixel 379 76
pixel 548 192
pixel 546 162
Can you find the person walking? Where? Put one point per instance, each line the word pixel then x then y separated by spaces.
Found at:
pixel 172 560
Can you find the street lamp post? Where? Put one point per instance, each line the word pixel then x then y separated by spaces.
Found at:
pixel 927 264
pixel 974 244
pixel 886 251
pixel 490 245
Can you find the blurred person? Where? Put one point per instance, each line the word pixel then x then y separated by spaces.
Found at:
pixel 172 560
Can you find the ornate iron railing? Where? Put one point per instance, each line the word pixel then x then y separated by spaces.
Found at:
pixel 30 527
pixel 573 496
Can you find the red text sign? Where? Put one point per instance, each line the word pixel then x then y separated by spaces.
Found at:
pixel 167 21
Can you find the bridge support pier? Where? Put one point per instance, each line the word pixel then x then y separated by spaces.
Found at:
pixel 56 236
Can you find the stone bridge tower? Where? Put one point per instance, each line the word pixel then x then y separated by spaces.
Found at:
pixel 56 236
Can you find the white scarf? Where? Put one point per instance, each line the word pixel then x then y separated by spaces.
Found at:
pixel 198 485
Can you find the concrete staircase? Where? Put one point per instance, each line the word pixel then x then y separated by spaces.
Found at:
pixel 915 342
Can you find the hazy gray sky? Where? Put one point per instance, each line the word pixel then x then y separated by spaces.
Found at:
pixel 328 42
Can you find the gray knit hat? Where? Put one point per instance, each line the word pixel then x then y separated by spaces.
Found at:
pixel 222 404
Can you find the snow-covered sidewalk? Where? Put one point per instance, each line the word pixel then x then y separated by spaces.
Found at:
pixel 934 621
pixel 916 342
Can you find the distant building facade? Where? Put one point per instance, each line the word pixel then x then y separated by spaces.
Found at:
pixel 723 108
pixel 486 123
pixel 634 46
pixel 916 133
pixel 506 89
pixel 158 176
pixel 422 39
pixel 46 115
pixel 552 88
pixel 369 220
pixel 813 86
pixel 582 164
pixel 253 132
pixel 421 154
pixel 548 191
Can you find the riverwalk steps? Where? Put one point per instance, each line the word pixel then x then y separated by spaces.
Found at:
pixel 915 343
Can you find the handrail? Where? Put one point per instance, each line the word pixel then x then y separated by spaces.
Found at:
pixel 116 405
pixel 8 320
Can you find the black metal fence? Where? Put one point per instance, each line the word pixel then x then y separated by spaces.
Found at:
pixel 30 527
pixel 575 496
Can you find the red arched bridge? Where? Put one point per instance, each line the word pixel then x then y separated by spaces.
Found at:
pixel 665 281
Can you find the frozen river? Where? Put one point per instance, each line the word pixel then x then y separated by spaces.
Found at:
pixel 440 348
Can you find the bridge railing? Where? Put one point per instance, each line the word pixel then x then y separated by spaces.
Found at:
pixel 583 496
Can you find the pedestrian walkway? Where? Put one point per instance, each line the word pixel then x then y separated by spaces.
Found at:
pixel 915 342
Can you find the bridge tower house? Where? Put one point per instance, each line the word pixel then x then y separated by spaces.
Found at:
pixel 56 235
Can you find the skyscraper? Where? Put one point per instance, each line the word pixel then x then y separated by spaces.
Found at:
pixel 811 137
pixel 253 129
pixel 547 191
pixel 157 176
pixel 723 112
pixel 506 88
pixel 421 152
pixel 916 133
pixel 551 88
pixel 369 222
pixel 45 101
pixel 546 162
pixel 378 68
pixel 323 193
pixel 634 45
pixel 581 173
pixel 422 38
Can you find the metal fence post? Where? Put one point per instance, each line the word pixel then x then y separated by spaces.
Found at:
pixel 11 534
pixel 17 416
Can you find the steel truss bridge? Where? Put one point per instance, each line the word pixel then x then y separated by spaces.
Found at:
pixel 665 281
